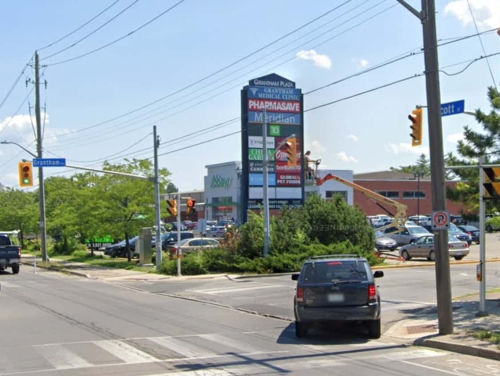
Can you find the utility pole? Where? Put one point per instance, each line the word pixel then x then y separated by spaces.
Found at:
pixel 482 241
pixel 443 280
pixel 179 250
pixel 39 141
pixel 265 184
pixel 156 141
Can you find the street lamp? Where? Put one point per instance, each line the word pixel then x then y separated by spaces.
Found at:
pixel 238 174
pixel 41 191
pixel 417 174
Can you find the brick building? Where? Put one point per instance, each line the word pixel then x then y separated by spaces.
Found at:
pixel 400 187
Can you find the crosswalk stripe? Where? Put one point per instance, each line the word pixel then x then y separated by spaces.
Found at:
pixel 184 348
pixel 229 342
pixel 61 358
pixel 125 352
pixel 372 344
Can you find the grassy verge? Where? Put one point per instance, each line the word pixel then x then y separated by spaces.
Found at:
pixel 487 335
pixel 97 260
pixel 492 291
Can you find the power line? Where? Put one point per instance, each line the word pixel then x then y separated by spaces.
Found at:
pixel 234 79
pixel 468 65
pixel 92 32
pixel 481 42
pixel 121 38
pixel 13 86
pixel 212 74
pixel 79 28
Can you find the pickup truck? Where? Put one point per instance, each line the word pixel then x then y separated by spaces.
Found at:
pixel 10 254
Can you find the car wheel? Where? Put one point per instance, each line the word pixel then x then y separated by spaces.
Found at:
pixel 301 329
pixel 477 242
pixel 489 228
pixel 374 329
pixel 458 258
pixel 432 256
pixel 15 269
pixel 405 255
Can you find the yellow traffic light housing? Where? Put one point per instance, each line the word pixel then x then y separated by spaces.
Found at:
pixel 416 127
pixel 491 184
pixel 190 206
pixel 25 172
pixel 172 207
pixel 291 151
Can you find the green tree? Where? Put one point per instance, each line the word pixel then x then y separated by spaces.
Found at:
pixel 19 212
pixel 422 164
pixel 474 145
pixel 171 188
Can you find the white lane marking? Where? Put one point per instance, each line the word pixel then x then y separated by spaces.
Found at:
pixel 416 354
pixel 181 347
pixel 125 352
pixel 373 343
pixel 61 357
pixel 431 368
pixel 229 342
pixel 9 285
pixel 218 291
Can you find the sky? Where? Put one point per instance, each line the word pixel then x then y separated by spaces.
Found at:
pixel 184 71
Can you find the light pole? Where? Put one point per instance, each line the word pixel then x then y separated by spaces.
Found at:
pixel 238 174
pixel 417 174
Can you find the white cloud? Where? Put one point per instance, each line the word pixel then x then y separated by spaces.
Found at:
pixel 353 137
pixel 405 148
pixel 345 158
pixel 486 12
pixel 363 63
pixel 322 61
pixel 455 137
pixel 315 147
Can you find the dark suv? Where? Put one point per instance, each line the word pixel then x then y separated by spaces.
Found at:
pixel 337 288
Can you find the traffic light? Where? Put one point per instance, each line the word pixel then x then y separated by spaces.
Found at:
pixel 172 207
pixel 25 174
pixel 190 206
pixel 416 127
pixel 491 184
pixel 291 151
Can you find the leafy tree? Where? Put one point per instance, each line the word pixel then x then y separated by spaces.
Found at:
pixel 422 164
pixel 20 211
pixel 171 188
pixel 474 145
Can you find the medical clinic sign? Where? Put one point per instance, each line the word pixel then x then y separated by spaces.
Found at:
pixel 283 103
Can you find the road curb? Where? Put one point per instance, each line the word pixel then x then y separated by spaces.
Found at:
pixel 58 269
pixel 442 344
pixel 220 305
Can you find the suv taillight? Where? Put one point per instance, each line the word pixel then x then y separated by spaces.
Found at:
pixel 372 293
pixel 300 295
pixel 19 252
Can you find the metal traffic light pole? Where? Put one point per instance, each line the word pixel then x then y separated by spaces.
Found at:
pixel 265 184
pixel 157 201
pixel 443 280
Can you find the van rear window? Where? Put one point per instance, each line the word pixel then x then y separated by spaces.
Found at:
pixel 325 272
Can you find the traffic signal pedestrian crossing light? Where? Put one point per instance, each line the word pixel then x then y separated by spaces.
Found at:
pixel 291 151
pixel 190 206
pixel 25 174
pixel 416 127
pixel 492 183
pixel 172 207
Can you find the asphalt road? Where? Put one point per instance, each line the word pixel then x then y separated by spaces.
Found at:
pixel 52 324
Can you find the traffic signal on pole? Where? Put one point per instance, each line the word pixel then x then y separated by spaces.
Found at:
pixel 492 183
pixel 291 151
pixel 190 206
pixel 416 127
pixel 172 207
pixel 25 174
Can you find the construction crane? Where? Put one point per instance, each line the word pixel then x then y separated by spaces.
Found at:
pixel 399 217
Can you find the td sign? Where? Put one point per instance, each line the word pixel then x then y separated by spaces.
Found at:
pixel 220 182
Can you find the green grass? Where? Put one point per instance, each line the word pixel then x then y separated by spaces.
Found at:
pixel 492 291
pixel 487 335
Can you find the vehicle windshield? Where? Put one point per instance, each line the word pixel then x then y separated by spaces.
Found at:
pixel 417 230
pixel 335 271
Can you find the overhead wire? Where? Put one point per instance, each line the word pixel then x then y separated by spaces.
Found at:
pixel 14 85
pixel 228 66
pixel 482 44
pixel 79 28
pixel 119 39
pixel 91 33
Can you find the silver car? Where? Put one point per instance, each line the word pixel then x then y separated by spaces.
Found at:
pixel 407 234
pixel 382 241
pixel 424 248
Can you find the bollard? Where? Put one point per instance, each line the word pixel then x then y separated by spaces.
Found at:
pixel 34 264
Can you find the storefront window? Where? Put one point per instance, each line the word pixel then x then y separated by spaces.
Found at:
pixel 222 208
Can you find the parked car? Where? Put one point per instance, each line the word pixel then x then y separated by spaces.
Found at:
pixel 382 241
pixel 194 244
pixel 459 234
pixel 407 234
pixel 169 239
pixel 472 231
pixel 424 248
pixel 10 254
pixel 216 232
pixel 337 289
pixel 120 249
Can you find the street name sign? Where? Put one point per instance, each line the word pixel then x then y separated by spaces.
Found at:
pixel 49 162
pixel 453 108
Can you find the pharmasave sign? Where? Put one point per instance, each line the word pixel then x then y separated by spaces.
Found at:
pixel 220 182
pixel 284 116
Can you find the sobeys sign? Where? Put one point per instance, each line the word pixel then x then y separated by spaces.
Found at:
pixel 220 182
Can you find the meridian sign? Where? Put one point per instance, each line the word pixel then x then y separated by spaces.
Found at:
pixel 284 104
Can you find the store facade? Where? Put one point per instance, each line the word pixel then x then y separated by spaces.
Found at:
pixel 223 191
